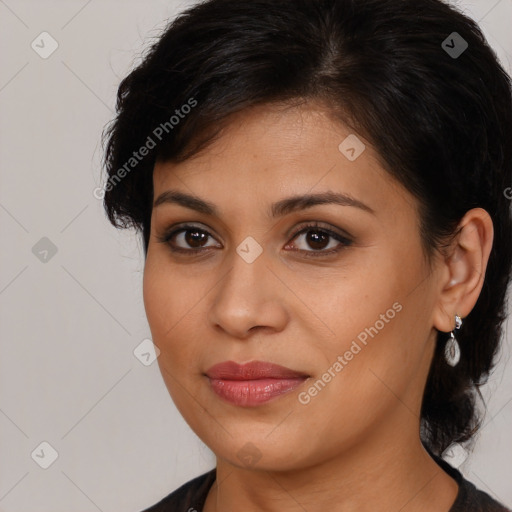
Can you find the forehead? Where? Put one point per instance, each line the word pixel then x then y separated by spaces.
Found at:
pixel 267 152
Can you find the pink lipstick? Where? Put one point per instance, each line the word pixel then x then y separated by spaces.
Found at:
pixel 254 383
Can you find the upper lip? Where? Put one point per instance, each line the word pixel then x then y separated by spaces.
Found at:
pixel 230 370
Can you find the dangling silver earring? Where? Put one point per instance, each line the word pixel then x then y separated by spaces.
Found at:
pixel 452 349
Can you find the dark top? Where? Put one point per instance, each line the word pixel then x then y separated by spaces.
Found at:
pixel 191 496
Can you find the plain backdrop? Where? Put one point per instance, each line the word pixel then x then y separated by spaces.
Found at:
pixel 71 309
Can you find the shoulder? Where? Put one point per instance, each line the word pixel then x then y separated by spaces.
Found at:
pixel 469 498
pixel 190 497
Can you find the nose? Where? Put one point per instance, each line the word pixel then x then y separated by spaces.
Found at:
pixel 248 298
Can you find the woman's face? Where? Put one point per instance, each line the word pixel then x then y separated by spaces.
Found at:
pixel 350 311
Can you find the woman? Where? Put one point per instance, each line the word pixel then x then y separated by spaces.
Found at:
pixel 321 187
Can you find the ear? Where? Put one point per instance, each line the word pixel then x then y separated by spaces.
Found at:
pixel 463 269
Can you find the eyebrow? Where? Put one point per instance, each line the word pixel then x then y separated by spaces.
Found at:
pixel 278 209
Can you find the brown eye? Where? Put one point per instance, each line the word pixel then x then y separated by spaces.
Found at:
pixel 316 241
pixel 195 237
pixel 188 239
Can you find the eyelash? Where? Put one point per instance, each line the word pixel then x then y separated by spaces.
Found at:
pixel 315 226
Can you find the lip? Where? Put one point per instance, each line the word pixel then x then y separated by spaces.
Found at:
pixel 229 370
pixel 253 383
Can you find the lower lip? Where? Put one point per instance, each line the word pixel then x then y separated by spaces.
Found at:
pixel 250 393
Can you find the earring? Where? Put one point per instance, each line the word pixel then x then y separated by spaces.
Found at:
pixel 452 349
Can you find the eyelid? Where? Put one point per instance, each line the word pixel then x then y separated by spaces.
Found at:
pixel 321 226
pixel 176 229
pixel 344 238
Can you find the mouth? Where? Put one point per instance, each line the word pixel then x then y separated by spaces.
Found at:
pixel 253 383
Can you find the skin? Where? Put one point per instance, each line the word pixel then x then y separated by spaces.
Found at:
pixel 355 445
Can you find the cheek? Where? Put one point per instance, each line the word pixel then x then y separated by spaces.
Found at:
pixel 163 301
pixel 172 307
pixel 165 294
pixel 374 316
pixel 155 298
pixel 163 305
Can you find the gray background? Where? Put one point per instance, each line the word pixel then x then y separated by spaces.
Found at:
pixel 70 321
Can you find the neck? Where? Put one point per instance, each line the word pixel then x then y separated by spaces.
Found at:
pixel 388 470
